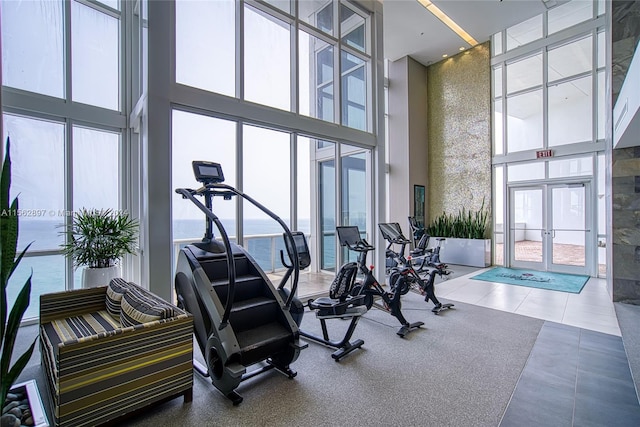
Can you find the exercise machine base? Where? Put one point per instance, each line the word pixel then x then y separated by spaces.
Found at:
pixel 405 329
pixel 442 307
pixel 344 346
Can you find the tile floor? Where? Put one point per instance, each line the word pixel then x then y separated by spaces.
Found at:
pixel 591 309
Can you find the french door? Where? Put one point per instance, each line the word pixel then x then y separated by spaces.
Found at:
pixel 550 227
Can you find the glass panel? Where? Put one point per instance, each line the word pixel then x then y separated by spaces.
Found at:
pixel 568 225
pixel 267 178
pixel 356 38
pixel 527 225
pixel 524 122
pixel 497 128
pixel 96 180
pixel 570 59
pixel 47 276
pixel 95 57
pixel 202 61
pixel 111 3
pixel 524 74
pixel 582 166
pixel 525 172
pixel 601 7
pixel 145 59
pixel 305 192
pixel 496 43
pixel 602 217
pixel 37 179
pixel 32 46
pixel 200 138
pixel 498 215
pixel 525 32
pixel 284 5
pixel 316 77
pixel 354 92
pixel 354 195
pixel 352 28
pixel 327 189
pixel 570 112
pixel 318 13
pixel 602 49
pixel 602 104
pixel 267 56
pixel 497 81
pixel 569 14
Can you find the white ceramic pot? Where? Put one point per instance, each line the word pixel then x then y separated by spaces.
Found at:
pixel 94 277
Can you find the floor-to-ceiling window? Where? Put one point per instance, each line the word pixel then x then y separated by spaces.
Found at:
pixel 549 109
pixel 64 110
pixel 292 85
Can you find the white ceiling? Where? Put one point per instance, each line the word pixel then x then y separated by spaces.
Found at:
pixel 410 29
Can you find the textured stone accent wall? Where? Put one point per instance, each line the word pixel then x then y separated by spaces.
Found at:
pixel 626 224
pixel 459 124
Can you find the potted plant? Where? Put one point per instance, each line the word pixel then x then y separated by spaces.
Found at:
pixel 97 239
pixel 466 237
pixel 8 263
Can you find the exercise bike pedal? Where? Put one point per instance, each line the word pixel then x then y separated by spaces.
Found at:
pixel 441 307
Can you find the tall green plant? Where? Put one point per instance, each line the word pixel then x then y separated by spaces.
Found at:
pixel 465 224
pixel 8 264
pixel 99 238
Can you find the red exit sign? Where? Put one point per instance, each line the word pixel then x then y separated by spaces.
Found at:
pixel 544 153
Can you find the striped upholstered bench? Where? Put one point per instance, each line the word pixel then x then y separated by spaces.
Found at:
pixel 113 350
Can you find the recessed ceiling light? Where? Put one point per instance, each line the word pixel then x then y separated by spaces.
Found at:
pixel 445 55
pixel 448 21
pixel 462 48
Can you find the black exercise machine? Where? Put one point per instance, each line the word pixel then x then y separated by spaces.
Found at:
pixel 240 319
pixel 339 305
pixel 404 270
pixel 422 255
pixel 349 236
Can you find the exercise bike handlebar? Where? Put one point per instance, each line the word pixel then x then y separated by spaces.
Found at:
pixel 231 265
pixel 360 246
pixel 227 191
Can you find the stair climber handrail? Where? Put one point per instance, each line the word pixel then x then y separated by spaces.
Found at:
pixel 231 265
pixel 296 271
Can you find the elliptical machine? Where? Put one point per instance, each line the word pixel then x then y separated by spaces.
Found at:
pixel 240 318
pixel 340 304
pixel 349 236
pixel 404 267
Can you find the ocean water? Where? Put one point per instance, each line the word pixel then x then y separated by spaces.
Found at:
pixel 48 272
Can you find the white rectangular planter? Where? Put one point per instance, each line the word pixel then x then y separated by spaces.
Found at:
pixel 471 252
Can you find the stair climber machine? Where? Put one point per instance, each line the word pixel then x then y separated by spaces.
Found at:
pixel 349 236
pixel 240 318
pixel 420 280
pixel 338 305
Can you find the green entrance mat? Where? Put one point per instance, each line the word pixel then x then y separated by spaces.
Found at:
pixel 535 279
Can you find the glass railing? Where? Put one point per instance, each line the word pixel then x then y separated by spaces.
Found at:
pixel 264 248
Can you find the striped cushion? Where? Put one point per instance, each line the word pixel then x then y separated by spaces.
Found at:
pixel 76 327
pixel 138 308
pixel 116 289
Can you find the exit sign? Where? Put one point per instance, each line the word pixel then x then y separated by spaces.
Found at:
pixel 544 153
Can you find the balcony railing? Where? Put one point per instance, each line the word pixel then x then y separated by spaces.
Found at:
pixel 264 248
